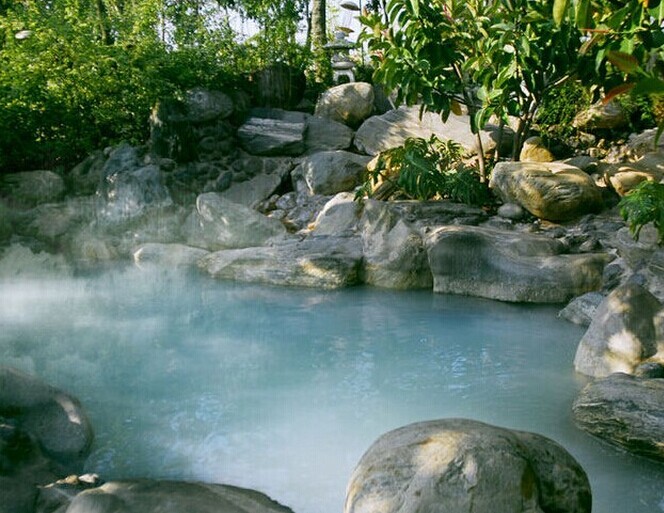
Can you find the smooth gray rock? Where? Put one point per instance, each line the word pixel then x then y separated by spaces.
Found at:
pixel 143 496
pixel 465 466
pixel 622 333
pixel 329 172
pixel 511 211
pixel 509 266
pixel 626 411
pixel 581 310
pixel 168 255
pixel 339 216
pixel 394 252
pixel 31 188
pixel 53 418
pixel 325 134
pixel 274 172
pixel 548 190
pixel 320 262
pixel 349 104
pixel 204 105
pixel 380 133
pixel 269 136
pixel 218 223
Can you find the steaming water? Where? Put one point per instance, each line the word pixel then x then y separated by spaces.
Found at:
pixel 282 390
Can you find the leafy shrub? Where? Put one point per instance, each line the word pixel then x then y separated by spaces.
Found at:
pixel 559 107
pixel 425 169
pixel 642 205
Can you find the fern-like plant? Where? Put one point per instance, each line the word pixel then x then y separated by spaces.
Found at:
pixel 642 205
pixel 424 169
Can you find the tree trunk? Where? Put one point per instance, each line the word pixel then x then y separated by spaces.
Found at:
pixel 319 39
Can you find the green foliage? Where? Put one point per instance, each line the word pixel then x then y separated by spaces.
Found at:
pixel 89 71
pixel 642 205
pixel 425 169
pixel 498 58
pixel 625 42
pixel 558 108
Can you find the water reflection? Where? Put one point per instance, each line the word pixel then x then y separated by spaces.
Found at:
pixel 283 389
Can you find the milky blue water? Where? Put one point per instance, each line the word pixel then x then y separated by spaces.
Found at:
pixel 282 390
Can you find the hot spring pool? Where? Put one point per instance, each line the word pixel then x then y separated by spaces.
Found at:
pixel 282 390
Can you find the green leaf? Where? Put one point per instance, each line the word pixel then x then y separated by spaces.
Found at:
pixel 415 6
pixel 559 10
pixel 649 85
pixel 583 13
pixel 625 62
pixel 657 12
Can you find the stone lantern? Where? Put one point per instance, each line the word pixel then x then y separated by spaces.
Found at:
pixel 340 46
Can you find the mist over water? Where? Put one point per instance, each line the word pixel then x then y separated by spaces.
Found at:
pixel 282 390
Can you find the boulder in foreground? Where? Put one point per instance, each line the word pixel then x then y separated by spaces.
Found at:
pixel 143 495
pixel 464 466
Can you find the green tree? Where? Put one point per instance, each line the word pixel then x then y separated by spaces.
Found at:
pixel 76 75
pixel 498 58
pixel 625 41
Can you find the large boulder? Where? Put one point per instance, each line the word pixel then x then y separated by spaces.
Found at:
pixel 603 116
pixel 31 188
pixel 273 132
pixel 54 419
pixel 464 466
pixel 509 266
pixel 621 334
pixel 175 124
pixel 129 189
pixel 218 223
pixel 319 262
pixel 347 103
pixel 144 495
pixel 549 190
pixel 394 252
pixel 339 216
pixel 626 411
pixel 326 134
pixel 329 172
pixel 380 133
pixel 204 105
